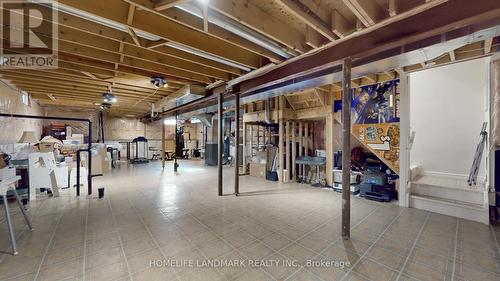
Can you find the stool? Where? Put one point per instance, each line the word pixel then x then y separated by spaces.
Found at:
pixel 5 186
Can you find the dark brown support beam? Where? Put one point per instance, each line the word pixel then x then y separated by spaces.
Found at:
pixel 346 149
pixel 404 32
pixel 220 143
pixel 237 143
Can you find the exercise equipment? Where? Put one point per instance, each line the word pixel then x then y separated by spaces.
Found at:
pixel 141 151
pixel 476 163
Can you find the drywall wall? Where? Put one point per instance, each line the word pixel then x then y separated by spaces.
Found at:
pixel 448 107
pixel 12 128
pixel 495 111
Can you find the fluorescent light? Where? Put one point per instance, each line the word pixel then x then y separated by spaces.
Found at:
pixel 195 120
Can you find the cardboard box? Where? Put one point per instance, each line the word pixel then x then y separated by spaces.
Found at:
pixel 46 147
pixel 258 170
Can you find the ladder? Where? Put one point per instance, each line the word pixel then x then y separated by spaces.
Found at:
pixel 478 155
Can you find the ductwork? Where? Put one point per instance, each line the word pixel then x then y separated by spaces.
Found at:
pixel 205 119
pixel 334 74
pixel 235 28
pixel 266 112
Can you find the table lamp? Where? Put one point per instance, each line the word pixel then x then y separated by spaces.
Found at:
pixel 29 138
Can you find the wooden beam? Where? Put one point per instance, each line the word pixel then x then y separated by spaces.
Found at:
pixel 131 64
pixel 312 38
pixel 117 10
pixel 82 25
pixel 488 43
pixel 89 74
pixel 51 96
pixel 130 16
pixel 255 18
pixel 367 11
pixel 205 18
pixel 89 40
pixel 394 7
pixel 134 36
pixel 183 17
pixel 167 4
pixel 346 149
pixel 340 25
pixel 452 55
pixel 304 14
pixel 156 44
pixel 193 22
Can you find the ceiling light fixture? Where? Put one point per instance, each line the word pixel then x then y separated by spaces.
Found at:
pixel 109 98
pixel 159 82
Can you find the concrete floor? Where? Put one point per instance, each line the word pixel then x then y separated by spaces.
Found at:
pixel 149 215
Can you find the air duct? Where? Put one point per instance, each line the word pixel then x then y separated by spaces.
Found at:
pixel 236 28
pixel 266 112
pixel 205 119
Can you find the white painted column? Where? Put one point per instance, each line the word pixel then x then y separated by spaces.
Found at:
pixel 404 153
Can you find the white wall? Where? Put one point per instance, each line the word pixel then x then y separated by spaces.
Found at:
pixel 11 129
pixel 448 107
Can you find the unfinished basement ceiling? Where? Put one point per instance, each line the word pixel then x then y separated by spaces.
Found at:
pixel 117 45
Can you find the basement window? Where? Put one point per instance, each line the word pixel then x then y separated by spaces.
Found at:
pixel 25 98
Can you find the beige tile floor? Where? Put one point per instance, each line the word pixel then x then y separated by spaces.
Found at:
pixel 149 214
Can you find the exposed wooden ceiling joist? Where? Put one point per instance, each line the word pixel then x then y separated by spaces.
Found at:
pixel 303 13
pixel 257 19
pixel 368 12
pixel 161 5
pixel 203 25
pixel 117 11
pixel 340 25
pixel 90 27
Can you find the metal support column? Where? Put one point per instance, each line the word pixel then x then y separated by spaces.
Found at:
pixel 346 149
pixel 220 142
pixel 163 143
pixel 237 144
pixel 177 152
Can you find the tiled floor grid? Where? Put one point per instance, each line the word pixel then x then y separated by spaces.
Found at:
pixel 149 215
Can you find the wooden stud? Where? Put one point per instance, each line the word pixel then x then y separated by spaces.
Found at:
pixel 310 20
pixel 167 4
pixel 340 26
pixel 488 43
pixel 367 11
pixel 312 38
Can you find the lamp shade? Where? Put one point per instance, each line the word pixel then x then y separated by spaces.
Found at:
pixel 28 137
